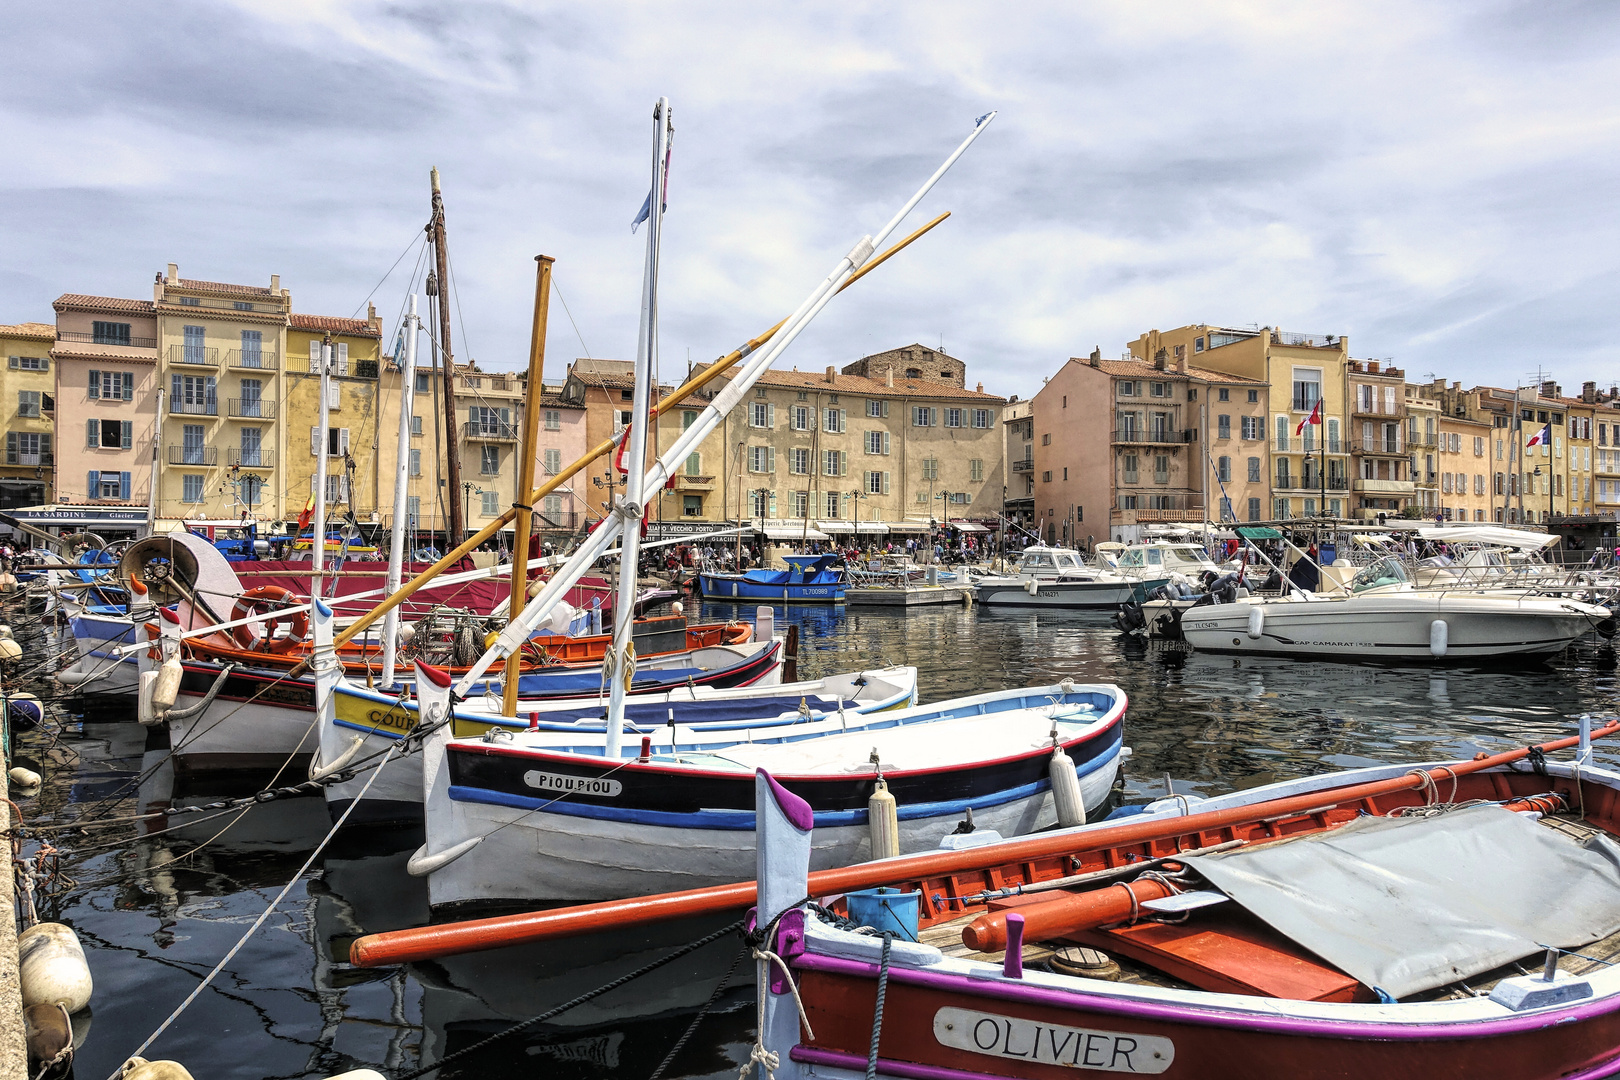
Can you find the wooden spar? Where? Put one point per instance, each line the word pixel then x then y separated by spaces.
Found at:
pixel 449 939
pixel 695 383
pixel 525 514
pixel 452 454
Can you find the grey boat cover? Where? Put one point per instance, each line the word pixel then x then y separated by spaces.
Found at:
pixel 1410 904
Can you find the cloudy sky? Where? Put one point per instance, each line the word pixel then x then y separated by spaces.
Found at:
pixel 1433 180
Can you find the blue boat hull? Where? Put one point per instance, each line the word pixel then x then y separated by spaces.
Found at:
pixel 734 587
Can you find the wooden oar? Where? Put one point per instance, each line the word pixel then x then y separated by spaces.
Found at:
pixel 449 939
pixel 680 394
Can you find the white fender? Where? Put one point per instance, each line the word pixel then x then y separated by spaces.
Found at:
pixel 166 690
pixel 1066 798
pixel 52 967
pixel 1438 632
pixel 421 864
pixel 24 778
pixel 137 1068
pixel 1032 586
pixel 883 822
pixel 1257 621
pixel 143 698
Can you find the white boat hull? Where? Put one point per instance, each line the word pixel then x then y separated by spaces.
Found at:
pixel 1059 594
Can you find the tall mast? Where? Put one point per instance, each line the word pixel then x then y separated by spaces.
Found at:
pixel 402 458
pixel 452 471
pixel 324 432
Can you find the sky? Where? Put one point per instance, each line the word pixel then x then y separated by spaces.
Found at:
pixel 1432 180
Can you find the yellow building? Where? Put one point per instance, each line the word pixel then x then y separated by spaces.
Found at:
pixel 1580 487
pixel 1299 370
pixel 1462 455
pixel 1423 413
pixel 353 476
pixel 28 405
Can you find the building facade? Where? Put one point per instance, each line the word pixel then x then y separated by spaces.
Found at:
pixel 1384 445
pixel 1018 450
pixel 106 388
pixel 28 406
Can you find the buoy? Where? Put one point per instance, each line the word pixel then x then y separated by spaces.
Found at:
pixel 1066 798
pixel 166 690
pixel 359 1074
pixel 1257 621
pixel 1437 638
pixel 9 649
pixel 53 968
pixel 489 639
pixel 137 1068
pixel 24 778
pixel 677 608
pixel 883 821
pixel 143 697
pixel 49 1035
pixel 421 864
pixel 5 631
pixel 27 711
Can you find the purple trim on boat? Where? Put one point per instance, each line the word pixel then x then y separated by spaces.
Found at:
pixel 1608 1068
pixel 1310 1027
pixel 795 809
pixel 839 1060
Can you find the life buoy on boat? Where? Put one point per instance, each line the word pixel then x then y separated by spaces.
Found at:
pixel 270 598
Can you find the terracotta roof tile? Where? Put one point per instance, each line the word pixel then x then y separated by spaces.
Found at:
pixel 68 352
pixel 334 324
pixel 555 401
pixel 38 331
pixel 223 287
pixel 859 384
pixel 1141 369
pixel 83 302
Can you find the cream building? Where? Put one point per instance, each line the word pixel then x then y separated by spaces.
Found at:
pixel 28 409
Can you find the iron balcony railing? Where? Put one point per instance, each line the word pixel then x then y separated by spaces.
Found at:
pixel 251 409
pixel 251 359
pixel 1153 435
pixel 193 455
pixel 194 355
pixel 178 407
pixel 262 458
pixel 489 432
pixel 107 339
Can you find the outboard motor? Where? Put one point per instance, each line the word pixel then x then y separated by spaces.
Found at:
pixel 1129 618
pixel 1224 588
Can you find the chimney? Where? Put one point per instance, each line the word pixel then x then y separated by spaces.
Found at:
pixel 371 317
pixel 1549 389
pixel 1372 367
pixel 1588 392
pixel 888 378
pixel 1095 358
pixel 275 284
pixel 174 275
pixel 979 388
pixel 832 374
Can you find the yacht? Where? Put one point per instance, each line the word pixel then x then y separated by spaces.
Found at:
pixel 1061 578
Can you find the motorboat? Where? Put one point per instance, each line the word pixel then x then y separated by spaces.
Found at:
pixel 1381 616
pixel 520 817
pixel 1400 921
pixel 1061 578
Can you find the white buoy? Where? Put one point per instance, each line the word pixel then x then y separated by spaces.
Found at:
pixel 52 967
pixel 1438 631
pixel 166 690
pixel 677 609
pixel 1032 586
pixel 1066 798
pixel 143 698
pixel 1257 621
pixel 137 1068
pixel 24 778
pixel 5 631
pixel 9 649
pixel 883 821
pixel 359 1074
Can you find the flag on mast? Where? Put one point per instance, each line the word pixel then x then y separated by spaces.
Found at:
pixel 1314 418
pixel 1542 437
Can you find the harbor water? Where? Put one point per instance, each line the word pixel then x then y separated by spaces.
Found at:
pixel 157 909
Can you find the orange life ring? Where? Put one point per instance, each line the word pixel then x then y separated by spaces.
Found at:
pixel 266 598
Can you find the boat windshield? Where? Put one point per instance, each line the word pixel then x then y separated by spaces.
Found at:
pixel 1037 560
pixel 1378 574
pixel 1067 561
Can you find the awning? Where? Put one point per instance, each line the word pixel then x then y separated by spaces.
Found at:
pixel 909 526
pixel 1258 532
pixel 968 526
pixel 876 528
pixel 788 530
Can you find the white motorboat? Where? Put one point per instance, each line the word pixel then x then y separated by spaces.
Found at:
pixel 1383 617
pixel 1061 578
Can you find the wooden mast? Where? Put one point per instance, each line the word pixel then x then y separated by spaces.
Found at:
pixel 452 470
pixel 525 512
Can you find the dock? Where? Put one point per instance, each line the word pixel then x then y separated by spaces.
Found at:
pixel 908 595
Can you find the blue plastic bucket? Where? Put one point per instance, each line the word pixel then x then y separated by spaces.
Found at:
pixel 885 909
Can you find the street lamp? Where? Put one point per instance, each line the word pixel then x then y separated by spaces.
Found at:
pixel 467 489
pixel 1537 472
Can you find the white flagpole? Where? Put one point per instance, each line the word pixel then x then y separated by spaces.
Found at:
pixel 318 549
pixel 396 538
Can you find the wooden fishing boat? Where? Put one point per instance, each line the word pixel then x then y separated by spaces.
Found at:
pixel 364 723
pixel 553 816
pixel 808 579
pixel 1390 922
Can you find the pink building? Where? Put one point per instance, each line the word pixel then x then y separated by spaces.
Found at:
pixel 106 360
pixel 561 443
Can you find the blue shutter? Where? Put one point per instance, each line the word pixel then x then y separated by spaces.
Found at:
pixel 95 484
pixel 123 484
pixel 174 393
pixel 92 436
pixel 213 402
pixel 129 386
pixel 129 435
pixel 95 385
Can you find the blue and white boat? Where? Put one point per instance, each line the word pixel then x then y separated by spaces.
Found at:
pixel 808 579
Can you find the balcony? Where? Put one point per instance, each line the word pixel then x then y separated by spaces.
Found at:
pixel 1383 447
pixel 194 355
pixel 193 455
pixel 1155 436
pixel 251 360
pixel 693 483
pixel 46 457
pixel 1421 442
pixel 496 432
pixel 262 458
pixel 1307 446
pixel 1024 465
pixel 1385 487
pixel 193 408
pixel 250 409
pixel 107 339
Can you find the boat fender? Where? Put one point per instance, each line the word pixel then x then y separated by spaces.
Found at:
pixel 1257 622
pixel 883 821
pixel 359 1074
pixel 52 967
pixel 9 649
pixel 1067 801
pixel 137 1068
pixel 1032 586
pixel 26 711
pixel 49 1035
pixel 1437 638
pixel 421 864
pixel 24 778
pixel 143 698
pixel 319 772
pixel 166 689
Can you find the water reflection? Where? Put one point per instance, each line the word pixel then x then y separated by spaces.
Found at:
pixel 172 895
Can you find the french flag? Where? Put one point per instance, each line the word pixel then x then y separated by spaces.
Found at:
pixel 1314 418
pixel 1541 438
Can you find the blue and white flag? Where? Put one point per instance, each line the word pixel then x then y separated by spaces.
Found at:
pixel 646 204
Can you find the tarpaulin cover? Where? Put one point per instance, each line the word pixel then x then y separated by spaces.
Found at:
pixel 1410 904
pixel 358 576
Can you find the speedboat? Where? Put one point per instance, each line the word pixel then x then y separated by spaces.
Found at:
pixel 1061 578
